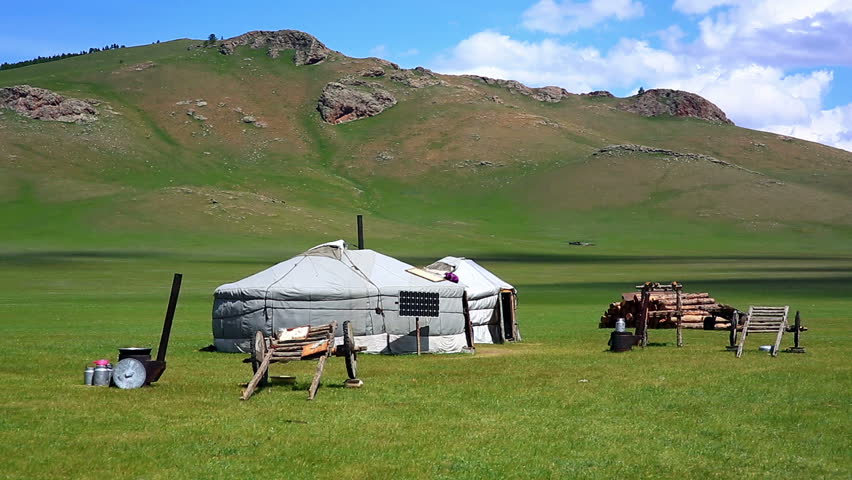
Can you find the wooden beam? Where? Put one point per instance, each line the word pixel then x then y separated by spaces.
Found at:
pixel 258 375
pixel 744 333
pixel 312 392
pixel 677 288
pixel 780 334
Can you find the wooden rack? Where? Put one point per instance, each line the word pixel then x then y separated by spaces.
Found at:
pixel 644 312
pixel 297 344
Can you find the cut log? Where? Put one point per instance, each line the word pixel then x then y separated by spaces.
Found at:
pixel 695 301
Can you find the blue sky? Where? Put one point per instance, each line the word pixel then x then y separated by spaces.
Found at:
pixel 778 65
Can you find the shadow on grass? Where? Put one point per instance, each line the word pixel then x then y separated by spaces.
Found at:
pixel 59 256
pixel 583 258
pixel 814 287
pixel 66 256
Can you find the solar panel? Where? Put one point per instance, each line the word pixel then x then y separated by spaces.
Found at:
pixel 418 304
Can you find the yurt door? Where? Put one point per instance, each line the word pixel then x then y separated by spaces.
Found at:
pixel 507 314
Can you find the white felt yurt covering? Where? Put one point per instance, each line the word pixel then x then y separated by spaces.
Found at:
pixel 332 283
pixel 492 301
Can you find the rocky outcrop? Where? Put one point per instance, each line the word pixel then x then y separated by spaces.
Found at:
pixel 372 72
pixel 543 94
pixel 633 148
pixel 417 78
pixel 384 63
pixel 309 50
pixel 598 93
pixel 354 81
pixel 341 103
pixel 43 104
pixel 676 103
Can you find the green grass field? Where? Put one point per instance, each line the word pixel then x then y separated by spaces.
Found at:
pixel 557 405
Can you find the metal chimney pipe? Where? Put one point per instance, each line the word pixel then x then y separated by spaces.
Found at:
pixel 170 315
pixel 360 232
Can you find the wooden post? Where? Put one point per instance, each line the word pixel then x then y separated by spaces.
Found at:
pixel 468 326
pixel 796 332
pixel 642 322
pixel 258 375
pixel 796 348
pixel 360 232
pixel 312 392
pixel 781 328
pixel 677 289
pixel 732 336
pixel 744 333
pixel 417 326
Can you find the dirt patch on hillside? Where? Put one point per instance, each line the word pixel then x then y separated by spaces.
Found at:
pixel 137 67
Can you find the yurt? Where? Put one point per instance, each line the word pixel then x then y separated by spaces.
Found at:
pixel 493 302
pixel 330 282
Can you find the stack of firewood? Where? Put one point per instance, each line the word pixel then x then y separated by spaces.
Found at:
pixel 698 309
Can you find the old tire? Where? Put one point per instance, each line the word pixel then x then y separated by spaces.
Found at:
pixel 349 352
pixel 258 351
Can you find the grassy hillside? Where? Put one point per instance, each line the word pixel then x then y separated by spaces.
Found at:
pixel 447 162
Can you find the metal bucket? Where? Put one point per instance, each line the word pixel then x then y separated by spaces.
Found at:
pixel 621 341
pixel 139 353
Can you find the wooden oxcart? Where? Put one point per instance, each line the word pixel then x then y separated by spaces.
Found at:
pixel 302 343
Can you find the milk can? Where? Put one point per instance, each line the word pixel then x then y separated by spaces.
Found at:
pixel 88 375
pixel 102 374
pixel 620 325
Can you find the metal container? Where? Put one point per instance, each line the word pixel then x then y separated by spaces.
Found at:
pixel 621 341
pixel 620 325
pixel 102 375
pixel 139 353
pixel 88 375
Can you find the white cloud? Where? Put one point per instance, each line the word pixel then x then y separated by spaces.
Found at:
pixel 547 62
pixel 379 51
pixel 739 60
pixel 700 6
pixel 671 36
pixel 831 127
pixel 383 51
pixel 567 16
pixel 779 32
pixel 755 96
pixel 550 62
pixel 752 95
pixel 716 34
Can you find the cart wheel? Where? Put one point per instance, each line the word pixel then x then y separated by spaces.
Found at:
pixel 349 350
pixel 258 351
